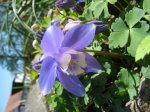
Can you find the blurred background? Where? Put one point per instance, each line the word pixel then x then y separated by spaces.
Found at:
pixel 16 51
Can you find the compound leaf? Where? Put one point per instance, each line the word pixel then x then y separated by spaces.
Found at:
pixel 120 35
pixel 134 16
pixel 128 82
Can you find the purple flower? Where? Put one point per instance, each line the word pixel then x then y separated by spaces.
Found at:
pixel 63 58
pixel 40 34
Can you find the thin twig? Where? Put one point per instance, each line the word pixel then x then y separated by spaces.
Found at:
pixel 117 7
pixel 127 2
pixel 107 53
pixel 121 5
pixel 21 87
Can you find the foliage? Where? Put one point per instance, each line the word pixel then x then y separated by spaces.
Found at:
pixel 11 54
pixel 122 50
pixel 127 82
pixel 145 6
pixel 97 7
pixel 122 31
pixel 16 35
pixel 143 48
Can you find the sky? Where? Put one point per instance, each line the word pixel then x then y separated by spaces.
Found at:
pixel 6 79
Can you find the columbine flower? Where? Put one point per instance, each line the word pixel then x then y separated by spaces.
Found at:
pixel 40 33
pixel 63 58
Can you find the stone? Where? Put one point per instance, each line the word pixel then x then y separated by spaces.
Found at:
pixel 36 102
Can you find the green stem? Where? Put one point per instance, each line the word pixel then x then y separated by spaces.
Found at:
pixel 17 29
pixel 19 20
pixel 2 28
pixel 106 53
pixel 117 7
pixel 8 56
pixel 121 5
pixel 21 87
pixel 127 2
pixel 33 9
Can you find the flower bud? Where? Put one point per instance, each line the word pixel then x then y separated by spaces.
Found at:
pixel 70 25
pixel 34 43
pixel 55 21
pixel 37 66
pixel 40 34
pixel 50 12
pixel 100 26
pixel 65 4
pixel 35 27
pixel 79 7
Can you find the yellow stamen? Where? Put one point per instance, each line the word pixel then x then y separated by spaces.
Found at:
pixel 72 62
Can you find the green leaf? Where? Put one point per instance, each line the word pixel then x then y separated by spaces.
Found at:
pixel 97 7
pixel 118 39
pixel 136 36
pixel 146 6
pixel 88 11
pixel 146 71
pixel 107 66
pixel 120 35
pixel 45 22
pixel 94 46
pixel 127 82
pixel 119 25
pixel 132 93
pixel 33 75
pixel 123 76
pixel 86 99
pixel 134 16
pixel 58 88
pixel 147 17
pixel 143 49
pixel 112 1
